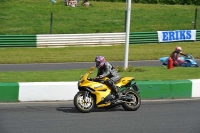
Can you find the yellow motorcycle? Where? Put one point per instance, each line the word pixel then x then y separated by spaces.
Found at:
pixel 95 94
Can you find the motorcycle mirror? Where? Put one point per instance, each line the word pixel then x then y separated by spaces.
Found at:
pixel 81 76
pixel 92 68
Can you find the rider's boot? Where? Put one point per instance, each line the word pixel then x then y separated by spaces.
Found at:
pixel 118 93
pixel 114 89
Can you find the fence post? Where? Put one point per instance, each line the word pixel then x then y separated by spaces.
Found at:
pixel 51 19
pixel 125 21
pixel 195 19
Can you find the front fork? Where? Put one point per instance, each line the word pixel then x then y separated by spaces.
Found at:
pixel 86 96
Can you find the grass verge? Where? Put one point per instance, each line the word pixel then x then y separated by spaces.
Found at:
pixel 33 17
pixel 87 54
pixel 147 73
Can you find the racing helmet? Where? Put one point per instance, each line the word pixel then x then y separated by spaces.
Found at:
pixel 100 61
pixel 178 49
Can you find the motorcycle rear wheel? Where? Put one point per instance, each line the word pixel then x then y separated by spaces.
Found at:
pixel 84 105
pixel 134 104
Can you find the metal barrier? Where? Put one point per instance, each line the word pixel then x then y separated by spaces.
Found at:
pixel 80 39
pixel 143 37
pixel 151 37
pixel 17 40
pixel 198 35
pixel 50 40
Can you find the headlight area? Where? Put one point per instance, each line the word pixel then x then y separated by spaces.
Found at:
pixel 79 82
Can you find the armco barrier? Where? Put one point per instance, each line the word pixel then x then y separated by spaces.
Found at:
pixel 57 40
pixel 50 40
pixel 149 37
pixel 58 91
pixel 17 40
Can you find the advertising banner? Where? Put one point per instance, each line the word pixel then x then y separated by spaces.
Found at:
pixel 177 35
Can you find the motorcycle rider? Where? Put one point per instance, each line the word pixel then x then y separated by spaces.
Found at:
pixel 175 56
pixel 105 69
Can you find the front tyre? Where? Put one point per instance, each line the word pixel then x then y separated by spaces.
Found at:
pixel 134 103
pixel 84 105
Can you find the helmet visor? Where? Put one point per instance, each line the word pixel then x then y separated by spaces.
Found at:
pixel 98 63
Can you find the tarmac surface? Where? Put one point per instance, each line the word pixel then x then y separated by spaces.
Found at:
pixel 156 116
pixel 73 65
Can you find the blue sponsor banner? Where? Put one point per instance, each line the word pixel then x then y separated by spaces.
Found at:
pixel 177 35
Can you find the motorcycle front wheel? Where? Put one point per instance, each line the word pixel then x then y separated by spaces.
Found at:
pixel 84 105
pixel 134 103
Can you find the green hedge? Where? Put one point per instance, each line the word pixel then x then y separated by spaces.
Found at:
pixel 170 2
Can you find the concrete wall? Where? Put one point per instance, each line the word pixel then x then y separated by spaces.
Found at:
pixel 58 91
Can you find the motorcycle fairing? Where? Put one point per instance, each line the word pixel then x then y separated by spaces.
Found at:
pixel 124 81
pixel 102 91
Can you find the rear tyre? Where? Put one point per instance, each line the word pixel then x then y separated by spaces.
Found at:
pixel 134 103
pixel 84 105
pixel 196 65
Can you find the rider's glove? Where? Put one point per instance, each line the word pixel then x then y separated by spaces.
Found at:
pixel 100 76
pixel 91 79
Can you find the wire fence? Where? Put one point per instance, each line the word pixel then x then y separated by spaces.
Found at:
pixel 197 18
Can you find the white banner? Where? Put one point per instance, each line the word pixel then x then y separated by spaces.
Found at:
pixel 177 35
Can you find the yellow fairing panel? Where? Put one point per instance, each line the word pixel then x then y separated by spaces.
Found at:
pixel 98 86
pixel 124 81
pixel 101 94
pixel 103 105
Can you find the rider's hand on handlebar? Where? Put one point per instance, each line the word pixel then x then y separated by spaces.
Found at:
pixel 187 55
pixel 91 79
pixel 100 76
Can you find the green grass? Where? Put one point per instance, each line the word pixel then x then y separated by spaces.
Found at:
pixel 87 54
pixel 150 73
pixel 33 17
